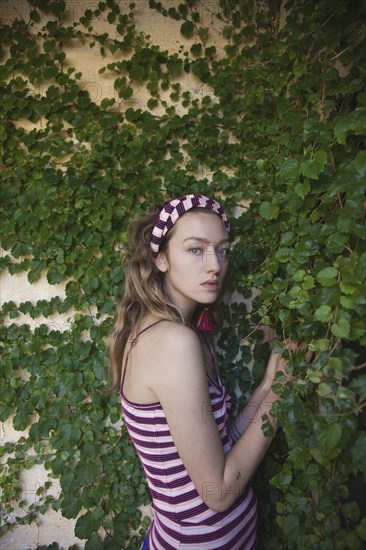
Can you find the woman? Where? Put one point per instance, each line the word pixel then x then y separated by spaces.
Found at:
pixel 174 404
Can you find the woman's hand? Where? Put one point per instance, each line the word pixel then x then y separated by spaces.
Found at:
pixel 277 363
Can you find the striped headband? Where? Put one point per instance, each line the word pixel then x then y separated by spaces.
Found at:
pixel 172 210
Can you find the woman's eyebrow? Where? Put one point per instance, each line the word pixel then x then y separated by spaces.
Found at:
pixel 200 239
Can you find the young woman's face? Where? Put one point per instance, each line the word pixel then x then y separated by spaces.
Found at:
pixel 196 261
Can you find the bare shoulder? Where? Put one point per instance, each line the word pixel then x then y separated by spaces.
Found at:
pixel 169 338
pixel 162 357
pixel 172 354
pixel 177 337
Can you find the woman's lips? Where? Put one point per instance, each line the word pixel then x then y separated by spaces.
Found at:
pixel 211 285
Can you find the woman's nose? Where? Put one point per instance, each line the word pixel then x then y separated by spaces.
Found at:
pixel 212 261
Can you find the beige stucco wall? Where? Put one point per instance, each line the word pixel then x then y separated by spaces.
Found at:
pixel 165 32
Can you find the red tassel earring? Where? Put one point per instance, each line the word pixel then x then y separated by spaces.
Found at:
pixel 205 322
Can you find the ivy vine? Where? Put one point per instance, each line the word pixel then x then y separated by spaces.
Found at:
pixel 279 133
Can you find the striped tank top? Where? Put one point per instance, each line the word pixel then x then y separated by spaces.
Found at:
pixel 181 519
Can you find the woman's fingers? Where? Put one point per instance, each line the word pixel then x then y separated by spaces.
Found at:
pixel 277 362
pixel 295 346
pixel 308 356
pixel 291 345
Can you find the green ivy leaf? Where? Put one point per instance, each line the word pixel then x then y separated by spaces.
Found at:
pixel 86 472
pixel 290 523
pixel 268 211
pixel 187 29
pixel 70 509
pixel 54 276
pixel 308 282
pixel 326 447
pixel 175 66
pixel 94 542
pixel 341 329
pixel 320 160
pixel 324 389
pixel 302 189
pixel 313 168
pixel 343 126
pixel 196 49
pixel 288 170
pixel 299 275
pixel 327 276
pixel 200 68
pixel 358 451
pixel 360 163
pixel 86 525
pixel 323 313
pixel 137 72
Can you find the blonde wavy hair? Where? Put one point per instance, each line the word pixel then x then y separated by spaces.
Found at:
pixel 144 291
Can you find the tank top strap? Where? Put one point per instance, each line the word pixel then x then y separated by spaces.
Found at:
pixel 132 343
pixel 217 380
pixel 209 347
pixel 135 338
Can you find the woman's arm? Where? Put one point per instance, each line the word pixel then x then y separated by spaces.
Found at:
pixel 177 377
pixel 259 401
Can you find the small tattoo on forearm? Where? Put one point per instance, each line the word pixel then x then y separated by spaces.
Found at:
pixel 238 476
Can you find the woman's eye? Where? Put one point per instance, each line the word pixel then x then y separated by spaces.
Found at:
pixel 195 250
pixel 223 251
